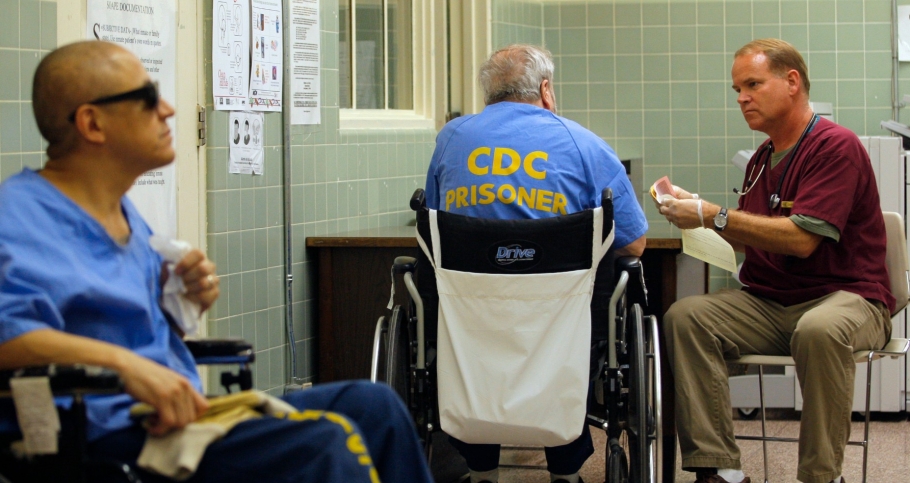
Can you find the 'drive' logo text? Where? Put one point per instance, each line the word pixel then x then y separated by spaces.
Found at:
pixel 514 253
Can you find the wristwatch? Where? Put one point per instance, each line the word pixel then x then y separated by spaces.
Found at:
pixel 720 220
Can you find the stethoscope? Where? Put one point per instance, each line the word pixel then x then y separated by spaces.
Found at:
pixel 774 199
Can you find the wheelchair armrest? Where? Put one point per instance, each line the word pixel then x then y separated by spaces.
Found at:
pixel 221 351
pixel 67 379
pixel 637 291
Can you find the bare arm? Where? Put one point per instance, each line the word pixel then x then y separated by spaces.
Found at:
pixel 172 395
pixel 772 234
pixel 634 249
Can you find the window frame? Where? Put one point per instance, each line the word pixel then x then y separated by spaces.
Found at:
pixel 430 67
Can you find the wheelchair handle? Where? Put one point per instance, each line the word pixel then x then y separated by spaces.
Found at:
pixel 418 200
pixel 404 264
pixel 606 196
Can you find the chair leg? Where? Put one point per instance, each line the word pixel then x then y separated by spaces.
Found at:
pixel 764 435
pixel 866 428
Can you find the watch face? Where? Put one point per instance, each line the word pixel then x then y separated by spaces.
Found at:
pixel 720 221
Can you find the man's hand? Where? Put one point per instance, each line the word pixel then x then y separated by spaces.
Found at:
pixel 176 401
pixel 198 273
pixel 684 213
pixel 172 395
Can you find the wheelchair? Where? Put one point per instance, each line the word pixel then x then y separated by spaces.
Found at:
pixel 624 365
pixel 79 382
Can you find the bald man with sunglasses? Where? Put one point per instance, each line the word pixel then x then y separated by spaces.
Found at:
pixel 79 284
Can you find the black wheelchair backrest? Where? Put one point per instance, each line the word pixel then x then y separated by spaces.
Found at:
pixel 526 246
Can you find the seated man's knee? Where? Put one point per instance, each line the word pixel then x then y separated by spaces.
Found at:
pixel 814 333
pixel 682 316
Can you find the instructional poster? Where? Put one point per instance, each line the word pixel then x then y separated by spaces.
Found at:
pixel 147 28
pixel 266 69
pixel 231 54
pixel 246 153
pixel 304 43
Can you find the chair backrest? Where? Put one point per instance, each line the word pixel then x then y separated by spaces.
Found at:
pixel 896 259
pixel 564 237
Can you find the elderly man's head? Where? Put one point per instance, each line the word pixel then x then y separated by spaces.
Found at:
pixel 97 92
pixel 515 73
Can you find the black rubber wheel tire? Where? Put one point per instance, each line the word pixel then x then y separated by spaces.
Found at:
pixel 747 413
pixel 638 411
pixel 398 360
pixel 617 467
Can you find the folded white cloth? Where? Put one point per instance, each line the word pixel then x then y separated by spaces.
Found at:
pixel 177 454
pixel 184 311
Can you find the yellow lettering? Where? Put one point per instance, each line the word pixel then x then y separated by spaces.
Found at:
pixel 472 161
pixel 307 415
pixel 364 460
pixel 473 194
pixel 355 444
pixel 526 198
pixel 341 421
pixel 461 197
pixel 374 476
pixel 502 197
pixel 450 197
pixel 559 203
pixel 544 198
pixel 486 190
pixel 498 168
pixel 529 165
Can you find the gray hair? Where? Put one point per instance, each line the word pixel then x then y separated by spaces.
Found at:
pixel 514 73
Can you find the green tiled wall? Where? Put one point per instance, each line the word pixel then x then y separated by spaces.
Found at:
pixel 340 180
pixel 28 30
pixel 652 77
pixel 517 22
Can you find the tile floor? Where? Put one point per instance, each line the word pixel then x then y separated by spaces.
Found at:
pixel 889 453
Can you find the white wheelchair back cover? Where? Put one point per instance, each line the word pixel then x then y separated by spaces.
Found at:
pixel 513 350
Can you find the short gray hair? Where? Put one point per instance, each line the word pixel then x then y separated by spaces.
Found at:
pixel 514 73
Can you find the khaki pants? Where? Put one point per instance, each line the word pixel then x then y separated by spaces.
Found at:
pixel 821 336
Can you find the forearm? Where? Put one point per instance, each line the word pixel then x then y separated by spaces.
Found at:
pixel 772 234
pixel 48 346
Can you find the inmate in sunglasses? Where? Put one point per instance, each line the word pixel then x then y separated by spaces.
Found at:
pixel 147 93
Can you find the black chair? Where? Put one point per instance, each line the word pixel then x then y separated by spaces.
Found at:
pixel 79 382
pixel 625 401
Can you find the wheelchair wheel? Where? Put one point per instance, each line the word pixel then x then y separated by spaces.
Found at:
pixel 398 363
pixel 639 411
pixel 617 467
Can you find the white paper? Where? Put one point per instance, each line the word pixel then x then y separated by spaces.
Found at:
pixel 36 414
pixel 903 32
pixel 246 133
pixel 231 54
pixel 147 28
pixel 706 245
pixel 305 53
pixel 267 68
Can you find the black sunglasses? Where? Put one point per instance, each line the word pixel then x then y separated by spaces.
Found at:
pixel 147 93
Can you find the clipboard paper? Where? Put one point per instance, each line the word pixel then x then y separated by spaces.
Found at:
pixel 706 245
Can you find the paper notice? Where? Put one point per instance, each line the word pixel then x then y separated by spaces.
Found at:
pixel 706 245
pixel 37 416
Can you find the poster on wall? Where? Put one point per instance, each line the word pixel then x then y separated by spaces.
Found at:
pixel 246 132
pixel 231 54
pixel 266 69
pixel 147 28
pixel 305 78
pixel 903 33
